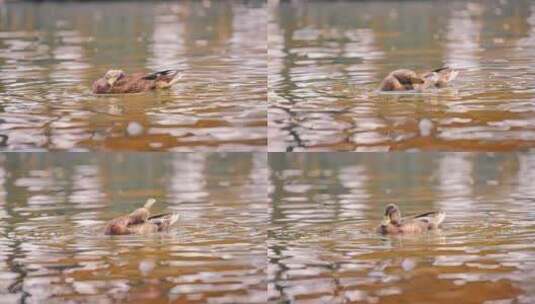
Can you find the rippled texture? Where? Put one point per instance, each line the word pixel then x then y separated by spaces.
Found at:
pixel 53 209
pixel 51 52
pixel 322 247
pixel 326 61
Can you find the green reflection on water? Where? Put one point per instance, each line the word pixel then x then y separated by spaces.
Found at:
pixel 52 52
pixel 327 60
pixel 53 208
pixel 326 206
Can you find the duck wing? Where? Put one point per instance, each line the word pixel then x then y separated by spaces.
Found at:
pixel 142 228
pixel 132 84
pixel 163 79
pixel 432 218
pixel 160 75
pixel 427 214
pixel 441 77
pixel 118 226
pixel 164 220
pixel 407 77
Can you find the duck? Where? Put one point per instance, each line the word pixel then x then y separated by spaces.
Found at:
pixel 393 223
pixel 408 80
pixel 140 221
pixel 118 82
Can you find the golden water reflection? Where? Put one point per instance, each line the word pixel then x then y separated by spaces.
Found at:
pixel 326 61
pixel 53 208
pixel 50 53
pixel 322 245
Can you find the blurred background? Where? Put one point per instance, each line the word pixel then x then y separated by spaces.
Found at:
pixel 325 207
pixel 52 51
pixel 53 210
pixel 327 58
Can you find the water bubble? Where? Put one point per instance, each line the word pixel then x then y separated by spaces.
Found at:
pixel 134 129
pixel 146 266
pixel 426 126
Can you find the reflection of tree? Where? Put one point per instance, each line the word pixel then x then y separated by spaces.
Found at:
pixel 55 204
pixel 344 35
pixel 112 31
pixel 280 233
pixel 37 184
pixel 285 25
pixel 414 35
pixel 16 252
pixel 10 248
pixel 209 23
pixel 141 175
pixel 54 51
pixel 465 185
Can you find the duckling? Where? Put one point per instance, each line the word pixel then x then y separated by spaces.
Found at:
pixel 393 223
pixel 140 221
pixel 407 80
pixel 118 82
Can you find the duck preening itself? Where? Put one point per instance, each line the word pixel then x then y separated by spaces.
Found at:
pixel 408 80
pixel 393 223
pixel 140 221
pixel 118 82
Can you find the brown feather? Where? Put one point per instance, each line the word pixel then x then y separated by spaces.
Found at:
pixel 140 221
pixel 100 86
pixel 395 224
pixel 406 80
pixel 136 83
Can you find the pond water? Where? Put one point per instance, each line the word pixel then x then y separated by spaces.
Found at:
pixel 322 247
pixel 51 52
pixel 53 209
pixel 326 61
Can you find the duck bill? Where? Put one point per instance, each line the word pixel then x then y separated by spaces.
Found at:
pixel 386 221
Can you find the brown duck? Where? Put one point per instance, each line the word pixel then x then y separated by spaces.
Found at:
pixel 140 221
pixel 393 223
pixel 407 80
pixel 117 82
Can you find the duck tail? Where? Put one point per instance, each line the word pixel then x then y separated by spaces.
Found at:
pixel 149 203
pixel 439 218
pixel 453 75
pixel 176 77
pixel 435 218
pixel 446 73
pixel 441 69
pixel 173 218
pixel 164 79
pixel 160 74
pixel 164 221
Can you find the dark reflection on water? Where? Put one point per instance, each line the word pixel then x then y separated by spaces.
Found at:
pixel 326 61
pixel 322 247
pixel 53 208
pixel 51 52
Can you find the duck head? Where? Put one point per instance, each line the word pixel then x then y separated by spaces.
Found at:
pixel 101 86
pixel 392 215
pixel 112 76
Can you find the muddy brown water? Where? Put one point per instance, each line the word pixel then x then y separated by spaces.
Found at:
pixel 53 210
pixel 322 247
pixel 327 59
pixel 51 52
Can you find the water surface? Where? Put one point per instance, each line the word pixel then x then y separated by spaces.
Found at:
pixel 322 247
pixel 326 61
pixel 51 52
pixel 53 210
